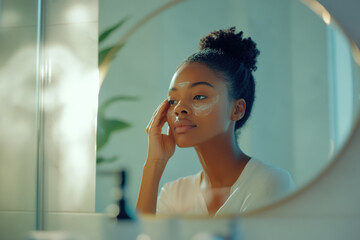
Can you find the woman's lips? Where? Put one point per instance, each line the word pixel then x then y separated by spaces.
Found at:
pixel 183 126
pixel 183 129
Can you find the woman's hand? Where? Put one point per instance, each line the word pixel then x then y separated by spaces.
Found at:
pixel 161 146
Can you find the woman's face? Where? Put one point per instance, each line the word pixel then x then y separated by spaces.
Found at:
pixel 200 108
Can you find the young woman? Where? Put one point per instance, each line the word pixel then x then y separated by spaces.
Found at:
pixel 210 98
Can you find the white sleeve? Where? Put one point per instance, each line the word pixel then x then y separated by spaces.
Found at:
pixel 271 185
pixel 166 201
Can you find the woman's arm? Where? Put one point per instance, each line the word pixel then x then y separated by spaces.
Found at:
pixel 147 198
pixel 160 148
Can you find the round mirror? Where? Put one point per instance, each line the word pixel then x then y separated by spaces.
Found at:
pixel 307 85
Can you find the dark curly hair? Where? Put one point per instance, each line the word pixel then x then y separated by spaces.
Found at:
pixel 233 56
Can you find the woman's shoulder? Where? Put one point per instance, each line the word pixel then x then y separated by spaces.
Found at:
pixel 270 175
pixel 266 183
pixel 178 196
pixel 268 170
pixel 187 183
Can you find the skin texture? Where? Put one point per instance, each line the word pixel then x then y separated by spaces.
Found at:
pixel 202 110
pixel 200 114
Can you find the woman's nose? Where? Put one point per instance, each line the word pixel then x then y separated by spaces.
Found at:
pixel 182 108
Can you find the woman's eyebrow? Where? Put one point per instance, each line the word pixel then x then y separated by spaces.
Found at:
pixel 201 83
pixel 193 85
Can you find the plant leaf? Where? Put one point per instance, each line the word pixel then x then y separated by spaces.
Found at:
pixel 106 127
pixel 112 125
pixel 106 33
pixel 100 159
pixel 104 52
pixel 108 102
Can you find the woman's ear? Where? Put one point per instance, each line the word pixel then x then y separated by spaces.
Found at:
pixel 238 110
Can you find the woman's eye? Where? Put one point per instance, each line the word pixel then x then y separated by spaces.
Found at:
pixel 200 97
pixel 171 102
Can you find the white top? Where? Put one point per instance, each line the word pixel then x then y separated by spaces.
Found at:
pixel 257 185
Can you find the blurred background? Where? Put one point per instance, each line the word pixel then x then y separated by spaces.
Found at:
pixel 306 101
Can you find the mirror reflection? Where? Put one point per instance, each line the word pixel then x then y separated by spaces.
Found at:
pixel 304 98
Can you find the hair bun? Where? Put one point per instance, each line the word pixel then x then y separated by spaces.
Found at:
pixel 229 42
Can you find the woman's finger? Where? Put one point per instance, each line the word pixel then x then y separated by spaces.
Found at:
pixel 156 112
pixel 157 119
pixel 162 121
pixel 158 109
pixel 170 134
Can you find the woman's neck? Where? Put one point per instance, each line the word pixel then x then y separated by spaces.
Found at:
pixel 222 160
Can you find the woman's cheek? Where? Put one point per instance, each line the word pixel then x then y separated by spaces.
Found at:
pixel 204 109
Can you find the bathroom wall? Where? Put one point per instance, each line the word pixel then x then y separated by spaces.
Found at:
pixel 310 94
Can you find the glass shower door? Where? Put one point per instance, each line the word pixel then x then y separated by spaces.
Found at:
pixel 48 102
pixel 20 25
